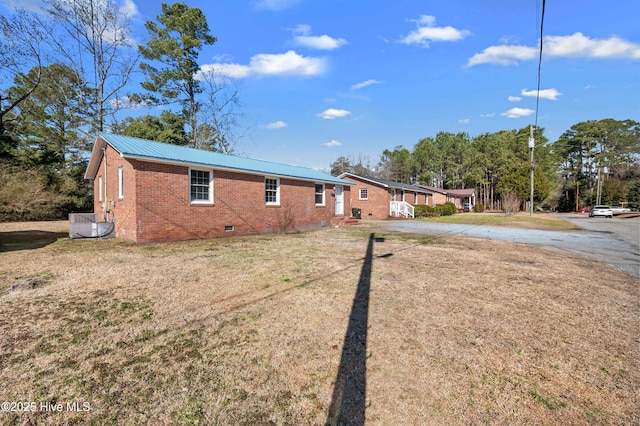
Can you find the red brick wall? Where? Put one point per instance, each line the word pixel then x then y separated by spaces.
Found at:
pixel 162 209
pixel 439 198
pixel 377 204
pixel 112 207
pixel 410 197
pixel 426 199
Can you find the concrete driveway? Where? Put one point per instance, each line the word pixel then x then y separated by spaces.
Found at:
pixel 613 241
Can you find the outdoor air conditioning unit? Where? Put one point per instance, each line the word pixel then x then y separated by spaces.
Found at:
pixel 86 225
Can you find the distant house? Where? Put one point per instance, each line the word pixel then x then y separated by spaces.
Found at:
pixel 380 199
pixel 459 197
pixel 158 192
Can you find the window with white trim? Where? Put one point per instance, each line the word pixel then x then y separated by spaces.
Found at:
pixel 120 182
pixel 272 191
pixel 99 188
pixel 319 194
pixel 363 194
pixel 200 186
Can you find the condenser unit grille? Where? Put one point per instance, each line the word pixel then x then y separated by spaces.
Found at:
pixel 83 218
pixel 86 225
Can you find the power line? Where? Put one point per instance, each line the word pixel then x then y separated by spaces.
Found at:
pixel 539 62
pixel 532 142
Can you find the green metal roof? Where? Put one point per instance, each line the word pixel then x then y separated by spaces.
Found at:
pixel 142 149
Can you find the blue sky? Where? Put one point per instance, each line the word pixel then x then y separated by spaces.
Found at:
pixel 323 79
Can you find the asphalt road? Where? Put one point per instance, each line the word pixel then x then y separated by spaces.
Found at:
pixel 613 241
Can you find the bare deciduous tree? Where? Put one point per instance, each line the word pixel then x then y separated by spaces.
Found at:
pixel 100 49
pixel 510 202
pixel 22 37
pixel 218 118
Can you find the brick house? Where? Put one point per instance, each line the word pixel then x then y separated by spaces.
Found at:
pixel 379 199
pixel 459 197
pixel 439 195
pixel 158 192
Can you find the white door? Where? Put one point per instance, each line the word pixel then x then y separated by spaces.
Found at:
pixel 339 200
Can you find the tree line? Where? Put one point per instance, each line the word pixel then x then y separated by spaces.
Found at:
pixel 594 162
pixel 66 74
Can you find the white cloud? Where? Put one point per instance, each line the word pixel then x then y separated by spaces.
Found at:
pixel 503 55
pixel 275 4
pixel 572 46
pixel 582 46
pixel 302 37
pixel 264 64
pixel 332 143
pixel 276 125
pixel 129 8
pixel 514 98
pixel 224 57
pixel 551 94
pixel 491 114
pixel 464 121
pixel 518 112
pixel 30 5
pixel 332 113
pixel 588 86
pixel 126 103
pixel 509 40
pixel 227 69
pixel 428 32
pixel 364 84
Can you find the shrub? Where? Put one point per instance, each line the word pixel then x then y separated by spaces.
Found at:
pixel 423 210
pixel 478 208
pixel 510 203
pixel 449 209
pixel 25 195
pixel 419 210
pixel 446 209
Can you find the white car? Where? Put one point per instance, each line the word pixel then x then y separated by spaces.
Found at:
pixel 619 210
pixel 601 211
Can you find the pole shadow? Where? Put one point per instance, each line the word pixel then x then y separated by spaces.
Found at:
pixel 349 393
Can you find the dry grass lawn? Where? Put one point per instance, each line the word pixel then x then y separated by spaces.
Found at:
pixel 521 220
pixel 251 331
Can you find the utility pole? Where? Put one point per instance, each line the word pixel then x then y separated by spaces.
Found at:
pixel 532 143
pixel 598 187
pixel 605 171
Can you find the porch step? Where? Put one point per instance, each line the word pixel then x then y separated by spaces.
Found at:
pixel 350 222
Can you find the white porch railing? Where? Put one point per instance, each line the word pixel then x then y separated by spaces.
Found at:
pixel 401 208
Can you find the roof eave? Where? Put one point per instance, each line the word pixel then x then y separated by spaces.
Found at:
pixel 404 187
pixel 96 157
pixel 362 178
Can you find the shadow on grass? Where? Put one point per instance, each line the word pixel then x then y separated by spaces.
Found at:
pixel 348 402
pixel 28 240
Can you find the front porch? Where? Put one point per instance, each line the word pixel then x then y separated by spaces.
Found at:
pixel 401 209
